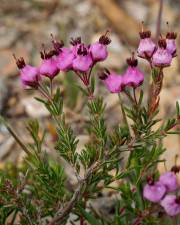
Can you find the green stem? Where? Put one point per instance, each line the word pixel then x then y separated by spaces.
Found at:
pixel 123 112
pixel 51 87
pixel 43 92
pixel 134 94
pixel 129 96
pixel 12 132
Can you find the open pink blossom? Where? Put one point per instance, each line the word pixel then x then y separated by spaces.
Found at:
pixel 169 180
pixel 133 76
pixel 171 204
pixel 146 46
pixel 162 57
pixel 83 61
pixel 154 191
pixel 99 49
pixel 114 82
pixel 64 55
pixel 48 66
pixel 65 59
pixel 29 75
pixel 171 43
pixel 75 42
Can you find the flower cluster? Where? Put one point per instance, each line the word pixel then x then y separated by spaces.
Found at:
pixel 159 55
pixel 157 191
pixel 79 58
pixel 132 77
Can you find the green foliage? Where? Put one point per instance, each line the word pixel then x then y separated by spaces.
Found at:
pixel 67 142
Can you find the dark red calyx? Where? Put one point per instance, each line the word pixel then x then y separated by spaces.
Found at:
pixel 132 61
pixel 104 75
pixel 57 44
pixel 150 180
pixel 171 35
pixel 75 41
pixel 82 50
pixel 20 62
pixel 47 55
pixel 177 200
pixel 104 39
pixel 175 169
pixel 145 34
pixel 162 43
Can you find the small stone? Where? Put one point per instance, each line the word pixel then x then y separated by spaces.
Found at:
pixel 83 8
pixel 34 108
pixel 7 36
pixel 3 93
pixel 6 147
pixel 171 71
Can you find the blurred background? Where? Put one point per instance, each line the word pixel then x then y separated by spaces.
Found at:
pixel 26 24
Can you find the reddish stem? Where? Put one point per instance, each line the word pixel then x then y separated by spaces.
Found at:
pixel 81 220
pixel 158 24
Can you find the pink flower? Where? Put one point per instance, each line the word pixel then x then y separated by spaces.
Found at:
pixel 171 43
pixel 133 76
pixel 65 59
pixel 29 75
pixel 83 60
pixel 169 180
pixel 171 204
pixel 99 49
pixel 114 82
pixel 146 46
pixel 48 66
pixel 154 191
pixel 162 58
pixel 64 56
